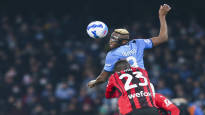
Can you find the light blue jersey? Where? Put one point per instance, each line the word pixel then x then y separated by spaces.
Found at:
pixel 133 51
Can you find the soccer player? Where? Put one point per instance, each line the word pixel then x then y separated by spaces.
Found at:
pixel 122 48
pixel 165 106
pixel 132 86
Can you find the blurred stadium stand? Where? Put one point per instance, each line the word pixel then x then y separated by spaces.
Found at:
pixel 46 58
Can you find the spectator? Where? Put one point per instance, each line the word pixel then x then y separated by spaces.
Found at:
pixel 64 92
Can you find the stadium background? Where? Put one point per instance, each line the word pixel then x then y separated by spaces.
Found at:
pixel 47 59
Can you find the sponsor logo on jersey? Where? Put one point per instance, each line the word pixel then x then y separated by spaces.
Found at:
pixel 127 70
pixel 128 53
pixel 140 94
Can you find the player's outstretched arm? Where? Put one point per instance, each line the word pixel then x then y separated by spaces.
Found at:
pixel 163 35
pixel 100 79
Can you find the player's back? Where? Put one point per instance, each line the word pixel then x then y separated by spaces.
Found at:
pixel 133 51
pixel 134 86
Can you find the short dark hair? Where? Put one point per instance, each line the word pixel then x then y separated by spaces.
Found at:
pixel 121 65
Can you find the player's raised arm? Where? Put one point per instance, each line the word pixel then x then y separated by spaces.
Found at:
pixel 163 35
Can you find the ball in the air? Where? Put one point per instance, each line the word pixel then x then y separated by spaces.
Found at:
pixel 97 29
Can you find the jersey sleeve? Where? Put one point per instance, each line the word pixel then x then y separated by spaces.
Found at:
pixel 164 103
pixel 111 91
pixel 145 43
pixel 110 62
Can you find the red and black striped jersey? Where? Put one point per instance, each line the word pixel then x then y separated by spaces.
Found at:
pixel 132 86
pixel 165 106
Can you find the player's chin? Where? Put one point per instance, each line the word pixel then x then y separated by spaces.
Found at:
pixel 110 46
pixel 113 47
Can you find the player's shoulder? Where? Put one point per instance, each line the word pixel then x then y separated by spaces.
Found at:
pixel 139 68
pixel 142 70
pixel 111 52
pixel 115 52
pixel 136 41
pixel 140 40
pixel 112 76
pixel 160 96
pixel 159 99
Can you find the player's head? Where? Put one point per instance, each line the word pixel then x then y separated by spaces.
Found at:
pixel 118 37
pixel 121 65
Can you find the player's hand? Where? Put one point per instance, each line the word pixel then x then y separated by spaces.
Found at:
pixel 164 9
pixel 91 84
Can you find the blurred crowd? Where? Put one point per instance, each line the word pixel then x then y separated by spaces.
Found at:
pixel 46 63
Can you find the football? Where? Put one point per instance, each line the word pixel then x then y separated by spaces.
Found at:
pixel 97 29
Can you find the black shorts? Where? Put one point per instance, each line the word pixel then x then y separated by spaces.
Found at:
pixel 145 111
